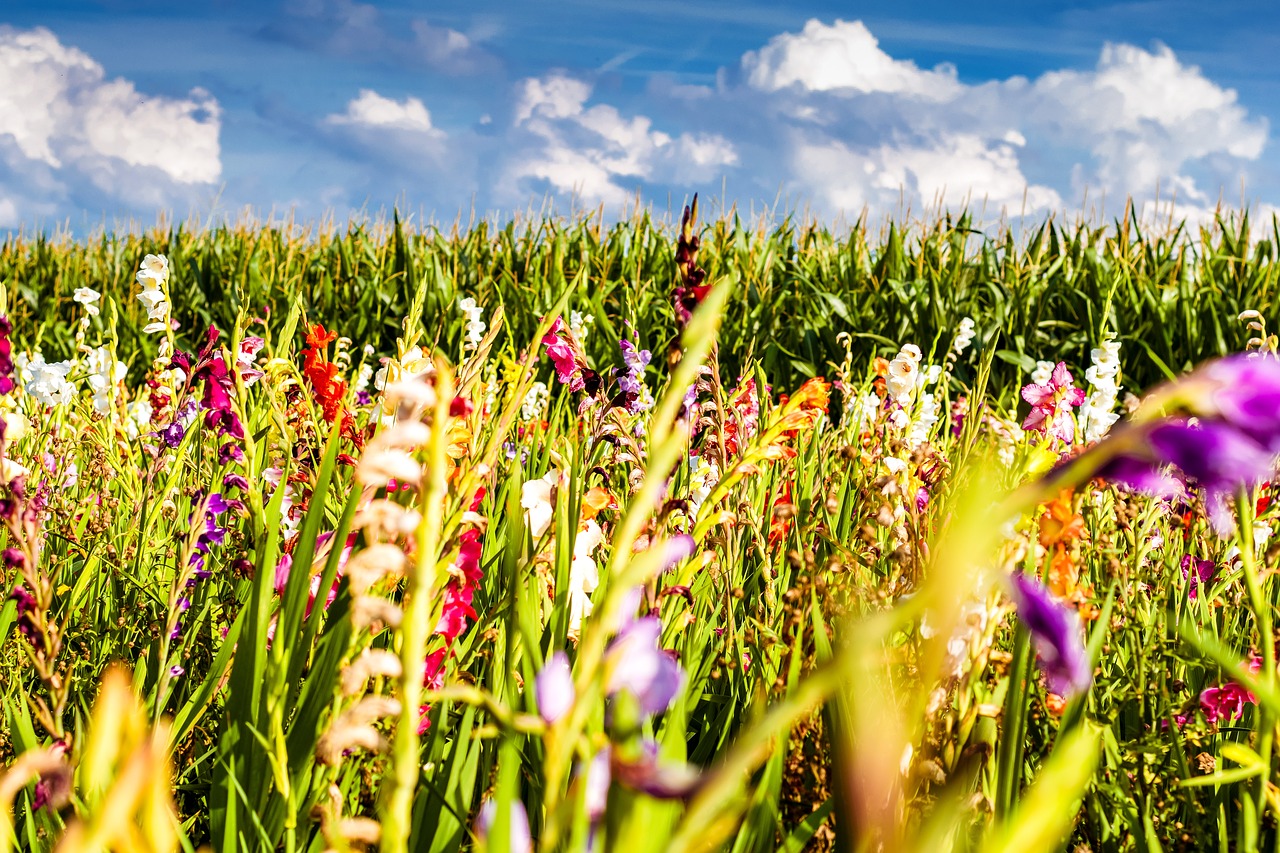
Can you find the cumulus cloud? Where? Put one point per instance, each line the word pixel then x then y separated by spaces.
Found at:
pixel 372 110
pixel 830 117
pixel 596 153
pixel 71 137
pixel 842 56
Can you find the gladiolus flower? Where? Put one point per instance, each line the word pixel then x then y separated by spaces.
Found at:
pixel 1051 404
pixel 553 688
pixel 1055 630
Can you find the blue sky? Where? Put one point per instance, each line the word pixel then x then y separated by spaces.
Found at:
pixel 111 109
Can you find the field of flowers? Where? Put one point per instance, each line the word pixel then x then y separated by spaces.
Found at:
pixel 712 537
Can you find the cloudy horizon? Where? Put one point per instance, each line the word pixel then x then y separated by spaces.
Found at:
pixel 338 107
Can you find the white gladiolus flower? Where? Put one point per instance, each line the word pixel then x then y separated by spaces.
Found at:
pixel 139 418
pixel 88 297
pixel 580 324
pixel 584 576
pixel 475 325
pixel 45 382
pixel 535 498
pixel 964 336
pixel 1043 372
pixel 534 401
pixel 153 276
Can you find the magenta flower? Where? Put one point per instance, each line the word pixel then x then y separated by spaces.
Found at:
pixel 1198 572
pixel 1051 405
pixel 1225 703
pixel 1055 630
pixel 564 356
pixel 6 360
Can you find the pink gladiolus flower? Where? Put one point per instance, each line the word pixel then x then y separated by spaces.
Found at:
pixel 568 371
pixel 1226 702
pixel 1051 405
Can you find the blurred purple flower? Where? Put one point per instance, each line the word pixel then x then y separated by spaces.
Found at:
pixel 650 776
pixel 553 688
pixel 636 664
pixel 1055 630
pixel 1243 391
pixel 677 549
pixel 596 796
pixel 518 839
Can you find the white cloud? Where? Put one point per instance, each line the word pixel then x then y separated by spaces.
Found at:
pixel 830 117
pixel 595 152
pixel 842 56
pixel 370 109
pixel 68 134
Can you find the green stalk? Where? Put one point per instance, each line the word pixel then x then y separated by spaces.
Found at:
pixel 1009 761
pixel 1261 604
pixel 403 776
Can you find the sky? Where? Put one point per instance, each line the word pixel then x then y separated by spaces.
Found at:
pixel 112 111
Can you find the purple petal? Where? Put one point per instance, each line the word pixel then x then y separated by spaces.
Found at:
pixel 648 775
pixel 1055 630
pixel 640 667
pixel 599 777
pixel 553 687
pixel 519 840
pixel 677 548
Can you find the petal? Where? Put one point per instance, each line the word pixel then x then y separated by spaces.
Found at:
pixel 553 688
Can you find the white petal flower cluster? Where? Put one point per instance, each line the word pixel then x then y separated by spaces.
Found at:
pixel 1043 372
pixel 534 401
pixel 1096 415
pixel 916 409
pixel 964 336
pixel 475 325
pixel 904 375
pixel 104 376
pixel 701 482
pixel 154 278
pixel 412 363
pixel 580 325
pixel 46 383
pixel 139 417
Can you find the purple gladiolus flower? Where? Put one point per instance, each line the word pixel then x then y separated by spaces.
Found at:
pixel 650 776
pixel 1199 572
pixel 554 688
pixel 676 549
pixel 1055 630
pixel 638 665
pixel 1243 391
pixel 597 785
pixel 1232 443
pixel 518 838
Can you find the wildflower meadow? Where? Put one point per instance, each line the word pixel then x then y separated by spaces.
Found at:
pixel 697 536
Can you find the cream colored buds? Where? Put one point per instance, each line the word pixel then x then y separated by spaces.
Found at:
pixel 384 518
pixel 386 458
pixel 354 729
pixel 378 663
pixel 367 567
pixel 369 611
